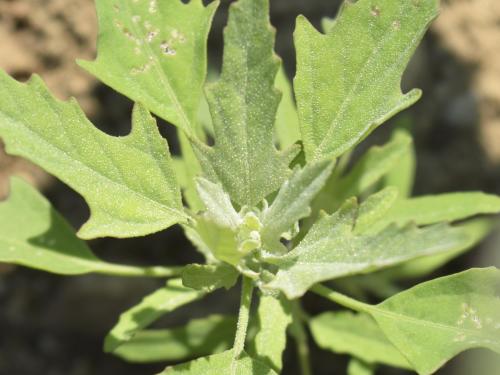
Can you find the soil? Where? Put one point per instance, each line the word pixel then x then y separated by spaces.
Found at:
pixel 54 325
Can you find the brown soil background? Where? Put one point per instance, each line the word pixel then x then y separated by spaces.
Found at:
pixel 54 325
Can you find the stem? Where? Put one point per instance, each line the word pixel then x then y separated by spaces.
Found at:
pixel 300 335
pixel 243 317
pixel 132 271
pixel 341 299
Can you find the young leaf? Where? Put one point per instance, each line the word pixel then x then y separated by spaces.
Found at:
pixel 331 250
pixel 374 208
pixel 270 341
pixel 292 202
pixel 402 175
pixel 152 307
pixel 436 320
pixel 357 335
pixel 154 52
pixel 348 81
pixel 287 120
pixel 217 203
pixel 208 277
pixel 219 364
pixel 33 234
pixel 357 367
pixel 199 337
pixel 449 207
pixel 243 104
pixel 109 172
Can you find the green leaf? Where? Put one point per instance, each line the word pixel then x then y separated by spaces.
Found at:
pixel 33 234
pixel 375 163
pixel 331 249
pixel 152 307
pixel 109 172
pixel 374 208
pixel 357 367
pixel 357 335
pixel 402 175
pixel 217 203
pixel 223 363
pixel 208 277
pixel 436 320
pixel 243 103
pixel 449 207
pixel 270 341
pixel 199 337
pixel 287 120
pixel 154 52
pixel 348 81
pixel 292 202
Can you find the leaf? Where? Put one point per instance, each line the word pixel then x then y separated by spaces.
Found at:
pixel 152 307
pixel 348 81
pixel 292 202
pixel 374 208
pixel 209 277
pixel 198 337
pixel 357 335
pixel 243 103
pixel 217 203
pixel 331 250
pixel 357 367
pixel 109 172
pixel 287 120
pixel 154 52
pixel 219 364
pixel 33 234
pixel 449 207
pixel 402 175
pixel 270 341
pixel 436 320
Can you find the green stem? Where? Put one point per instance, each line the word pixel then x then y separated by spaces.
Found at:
pixel 243 317
pixel 132 271
pixel 300 335
pixel 341 299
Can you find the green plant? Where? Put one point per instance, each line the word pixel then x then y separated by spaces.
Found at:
pixel 283 220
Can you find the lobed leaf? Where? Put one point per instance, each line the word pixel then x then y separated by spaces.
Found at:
pixel 48 242
pixel 199 337
pixel 223 363
pixel 109 172
pixel 154 52
pixel 436 320
pixel 357 335
pixel 331 249
pixel 243 103
pixel 348 81
pixel 152 307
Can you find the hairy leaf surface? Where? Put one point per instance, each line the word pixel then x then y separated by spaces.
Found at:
pixel 331 249
pixel 348 81
pixel 109 172
pixel 199 337
pixel 152 307
pixel 154 52
pixel 243 103
pixel 436 320
pixel 223 363
pixel 208 277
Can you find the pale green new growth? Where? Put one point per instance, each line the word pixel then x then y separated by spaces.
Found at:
pixel 348 81
pixel 161 60
pixel 243 104
pixel 199 337
pixel 109 172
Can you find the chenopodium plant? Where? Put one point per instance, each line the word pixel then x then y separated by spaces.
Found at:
pixel 274 202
